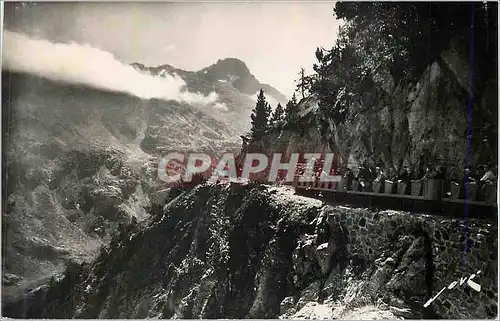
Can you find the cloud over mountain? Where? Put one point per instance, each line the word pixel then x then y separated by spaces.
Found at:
pixel 82 64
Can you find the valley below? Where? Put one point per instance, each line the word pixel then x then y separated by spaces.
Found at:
pixel 79 162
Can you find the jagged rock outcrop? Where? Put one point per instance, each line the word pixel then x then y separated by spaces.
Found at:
pixel 79 161
pixel 237 251
pixel 64 213
pixel 235 70
pixel 396 124
pixel 236 86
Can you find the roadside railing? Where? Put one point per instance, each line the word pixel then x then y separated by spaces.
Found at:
pixel 428 189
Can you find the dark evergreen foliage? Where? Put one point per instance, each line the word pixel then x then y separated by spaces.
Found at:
pixel 278 116
pixel 291 111
pixel 404 37
pixel 260 117
pixel 304 83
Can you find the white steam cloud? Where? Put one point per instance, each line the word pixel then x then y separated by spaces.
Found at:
pixel 83 64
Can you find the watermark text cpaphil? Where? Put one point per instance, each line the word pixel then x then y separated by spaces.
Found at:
pixel 178 167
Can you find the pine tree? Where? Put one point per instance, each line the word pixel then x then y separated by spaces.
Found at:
pixel 330 86
pixel 269 111
pixel 278 115
pixel 291 110
pixel 304 83
pixel 260 116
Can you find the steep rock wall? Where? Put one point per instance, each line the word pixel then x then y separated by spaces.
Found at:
pixel 237 251
pixel 412 123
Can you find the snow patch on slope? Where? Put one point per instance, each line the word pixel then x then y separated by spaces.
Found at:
pixel 221 106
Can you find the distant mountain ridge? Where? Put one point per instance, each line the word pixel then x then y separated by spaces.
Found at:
pixel 246 82
pixel 80 160
pixel 231 71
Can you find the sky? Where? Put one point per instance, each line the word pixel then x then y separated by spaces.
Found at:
pixel 275 39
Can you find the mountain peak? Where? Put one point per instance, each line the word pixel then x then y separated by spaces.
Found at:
pixel 229 71
pixel 228 67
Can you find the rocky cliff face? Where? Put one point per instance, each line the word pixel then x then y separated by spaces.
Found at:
pixel 396 124
pixel 231 79
pixel 78 162
pixel 235 71
pixel 71 175
pixel 237 251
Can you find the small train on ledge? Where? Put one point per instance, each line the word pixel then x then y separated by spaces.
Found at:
pixel 432 196
pixel 427 196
